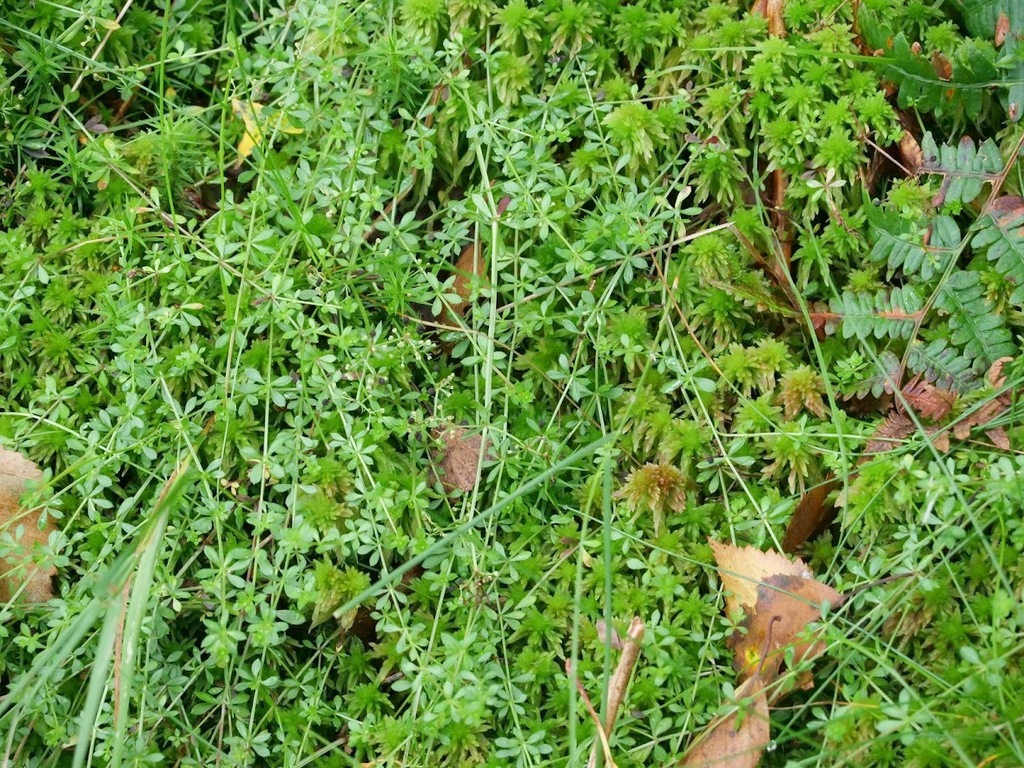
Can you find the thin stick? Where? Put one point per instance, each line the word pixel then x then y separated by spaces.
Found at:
pixel 620 679
pixel 593 716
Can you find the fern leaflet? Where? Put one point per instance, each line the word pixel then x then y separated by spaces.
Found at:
pixel 977 328
pixel 893 313
pixel 940 363
pixel 924 250
pixel 965 168
pixel 1001 231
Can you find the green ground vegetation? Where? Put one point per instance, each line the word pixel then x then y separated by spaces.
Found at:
pixel 717 267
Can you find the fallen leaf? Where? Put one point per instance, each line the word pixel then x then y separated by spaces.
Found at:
pixel 999 438
pixel 995 372
pixel 910 150
pixel 457 461
pixel 810 517
pixel 16 473
pixel 990 411
pixel 730 742
pixel 470 270
pixel 786 605
pixel 257 124
pixel 895 428
pixel 928 400
pixel 743 569
pixel 1002 29
pixel 779 598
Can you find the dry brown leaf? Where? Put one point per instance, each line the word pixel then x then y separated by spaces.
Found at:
pixel 731 743
pixel 16 472
pixel 995 372
pixel 940 439
pixel 910 151
pixel 779 598
pixel 927 400
pixel 1002 29
pixel 999 438
pixel 786 604
pixel 943 66
pixel 470 270
pixel 811 516
pixel 895 428
pixel 458 459
pixel 743 569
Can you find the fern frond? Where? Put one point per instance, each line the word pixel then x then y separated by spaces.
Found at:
pixel 976 327
pixel 965 168
pixel 1001 231
pixel 981 18
pixel 959 89
pixel 921 249
pixel 893 313
pixel 942 364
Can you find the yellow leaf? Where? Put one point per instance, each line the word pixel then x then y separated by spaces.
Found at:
pixel 257 125
pixel 249 112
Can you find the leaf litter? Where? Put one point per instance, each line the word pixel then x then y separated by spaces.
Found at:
pixel 778 598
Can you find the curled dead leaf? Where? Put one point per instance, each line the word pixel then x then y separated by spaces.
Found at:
pixel 910 151
pixel 811 516
pixel 17 569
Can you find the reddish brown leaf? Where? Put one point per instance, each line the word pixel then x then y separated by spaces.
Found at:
pixel 17 569
pixel 786 604
pixel 940 439
pixel 1002 29
pixel 730 742
pixel 999 438
pixel 470 270
pixel 811 517
pixel 927 400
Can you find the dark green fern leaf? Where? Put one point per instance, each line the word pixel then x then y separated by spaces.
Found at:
pixel 922 249
pixel 1001 231
pixel 976 327
pixel 965 168
pixel 893 313
pixel 962 95
pixel 942 364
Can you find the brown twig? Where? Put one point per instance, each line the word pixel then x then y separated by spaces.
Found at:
pixel 620 679
pixel 601 735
